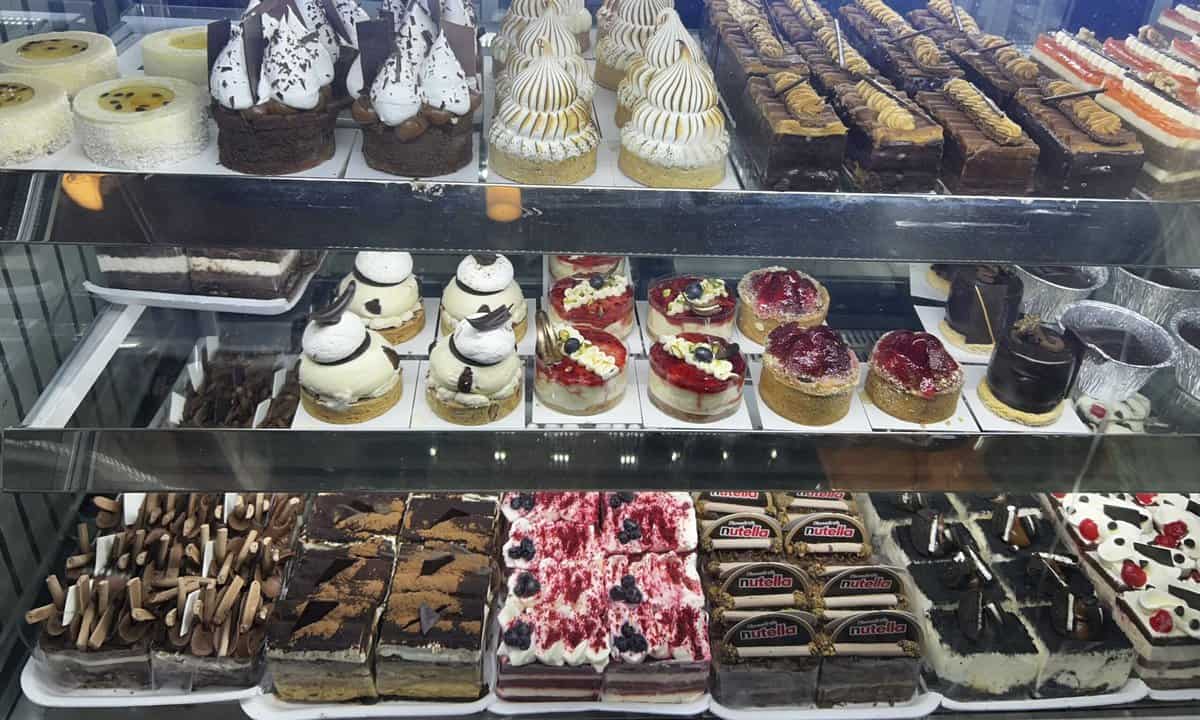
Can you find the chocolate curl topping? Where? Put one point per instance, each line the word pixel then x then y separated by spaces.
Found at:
pixel 486 259
pixel 1030 329
pixel 81 531
pixel 56 592
pixel 493 320
pixel 331 314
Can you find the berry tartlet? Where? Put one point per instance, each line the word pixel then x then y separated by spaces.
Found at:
pixel 776 295
pixel 696 377
pixel 579 371
pixel 912 377
pixel 809 374
pixel 690 304
pixel 562 266
pixel 594 301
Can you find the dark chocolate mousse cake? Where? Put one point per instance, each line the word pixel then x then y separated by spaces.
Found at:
pixel 1029 374
pixel 876 658
pixel 982 303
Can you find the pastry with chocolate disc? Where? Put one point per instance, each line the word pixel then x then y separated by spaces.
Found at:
pixel 696 377
pixel 776 295
pixel 483 279
pixel 690 303
pixel 809 374
pixel 983 302
pixel 386 296
pixel 594 301
pixel 1029 374
pixel 912 377
pixel 475 375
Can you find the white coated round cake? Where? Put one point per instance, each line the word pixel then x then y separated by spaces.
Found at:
pixel 142 123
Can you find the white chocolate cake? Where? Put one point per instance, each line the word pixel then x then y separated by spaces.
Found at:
pixel 71 59
pixel 386 296
pixel 142 123
pixel 483 279
pixel 35 118
pixel 177 52
pixel 475 374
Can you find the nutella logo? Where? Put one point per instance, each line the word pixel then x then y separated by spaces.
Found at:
pixel 767 581
pixel 735 495
pixel 770 631
pixel 745 530
pixel 869 582
pixel 820 495
pixel 831 530
pixel 879 628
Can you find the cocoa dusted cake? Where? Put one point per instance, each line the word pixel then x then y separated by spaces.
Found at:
pixel 690 303
pixel 593 302
pixel 809 374
pixel 983 301
pixel 336 519
pixel 1030 373
pixel 775 295
pixel 467 520
pixel 696 377
pixel 912 377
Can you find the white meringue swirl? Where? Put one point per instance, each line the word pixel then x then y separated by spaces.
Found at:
pixel 661 50
pixel 628 32
pixel 548 35
pixel 544 117
pixel 520 13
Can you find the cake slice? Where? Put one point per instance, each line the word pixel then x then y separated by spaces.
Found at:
pixel 792 138
pixel 767 661
pixel 245 273
pixel 137 268
pixel 876 659
pixel 467 520
pixel 911 61
pixel 980 651
pixel 892 146
pixel 343 518
pixel 648 522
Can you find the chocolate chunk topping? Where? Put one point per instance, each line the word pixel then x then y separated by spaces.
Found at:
pixel 373 307
pixel 465 379
pixel 429 618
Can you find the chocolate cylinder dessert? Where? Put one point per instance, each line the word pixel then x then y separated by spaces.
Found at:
pixel 809 375
pixel 1030 373
pixel 913 378
pixel 983 301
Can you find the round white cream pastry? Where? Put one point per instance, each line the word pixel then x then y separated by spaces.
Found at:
pixel 661 51
pixel 492 356
pixel 543 118
pixel 35 118
pixel 629 30
pixel 475 285
pixel 73 59
pixel 386 293
pixel 690 401
pixel 336 382
pixel 177 52
pixel 548 35
pixel 141 123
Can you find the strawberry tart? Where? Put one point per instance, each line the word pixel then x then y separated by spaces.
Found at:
pixel 696 377
pixel 595 301
pixel 809 374
pixel 689 303
pixel 578 371
pixel 912 377
pixel 775 295
pixel 562 266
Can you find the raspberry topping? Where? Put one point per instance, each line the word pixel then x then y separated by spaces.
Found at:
pixel 592 262
pixel 651 522
pixel 1089 531
pixel 681 374
pixel 783 292
pixel 1161 622
pixel 809 354
pixel 662 292
pixel 569 372
pixel 581 508
pixel 1167 541
pixel 529 541
pixel 917 361
pixel 1132 574
pixel 1144 499
pixel 598 314
pixel 1177 529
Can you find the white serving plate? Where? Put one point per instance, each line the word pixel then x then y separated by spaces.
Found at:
pixel 1182 695
pixel 270 707
pixel 510 707
pixel 918 283
pixel 1133 691
pixel 424 418
pixel 1067 424
pixel 41 690
pixel 921 705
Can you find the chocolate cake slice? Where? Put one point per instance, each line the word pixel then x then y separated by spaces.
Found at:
pixel 767 661
pixel 1013 531
pixel 138 268
pixel 876 658
pixel 792 138
pixel 1085 651
pixel 467 520
pixel 892 146
pixel 244 273
pixel 994 66
pixel 911 61
pixel 748 47
pixel 341 518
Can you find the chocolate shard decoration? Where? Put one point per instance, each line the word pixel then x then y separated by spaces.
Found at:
pixel 463 43
pixel 432 564
pixel 218 36
pixel 376 41
pixel 392 356
pixel 429 618
pixel 331 314
pixel 486 259
pixel 373 306
pixel 493 320
pixel 466 380
pixel 335 21
pixel 255 44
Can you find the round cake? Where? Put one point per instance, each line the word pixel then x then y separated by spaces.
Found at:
pixel 696 377
pixel 661 51
pixel 563 265
pixel 386 296
pixel 475 374
pixel 483 279
pixel 579 371
pixel 809 374
pixel 982 303
pixel 178 52
pixel 775 295
pixel 35 118
pixel 141 123
pixel 595 301
pixel 72 60
pixel 1029 374
pixel 912 377
pixel 690 303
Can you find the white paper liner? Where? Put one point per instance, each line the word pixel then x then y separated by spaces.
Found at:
pixel 633 341
pixel 1067 424
pixel 931 319
pixel 962 421
pixel 854 422
pixel 41 690
pixel 627 413
pixel 918 283
pixel 419 344
pixel 399 417
pixel 1133 691
pixel 358 169
pixel 424 418
pixel 922 704
pixel 652 417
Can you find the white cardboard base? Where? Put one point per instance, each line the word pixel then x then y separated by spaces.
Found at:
pixel 424 418
pixel 398 418
pixel 918 283
pixel 1067 424
pixel 921 705
pixel 419 344
pixel 627 413
pixel 270 707
pixel 854 422
pixel 652 417
pixel 358 169
pixel 931 319
pixel 960 422
pixel 1182 695
pixel 1133 691
pixel 40 690
pixel 509 707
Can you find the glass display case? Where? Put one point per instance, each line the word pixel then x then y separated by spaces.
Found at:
pixel 788 357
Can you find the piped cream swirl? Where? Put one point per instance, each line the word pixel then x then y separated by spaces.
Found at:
pixel 520 13
pixel 544 117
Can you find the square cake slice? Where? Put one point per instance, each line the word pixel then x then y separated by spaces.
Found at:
pixel 767 661
pixel 636 523
pixel 575 508
pixel 341 518
pixel 529 542
pixel 980 651
pixel 244 272
pixel 876 659
pixel 468 520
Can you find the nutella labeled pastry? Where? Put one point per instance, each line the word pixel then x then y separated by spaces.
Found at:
pixel 809 374
pixel 36 115
pixel 768 660
pixel 141 123
pixel 475 375
pixel 690 303
pixel 284 122
pixel 696 377
pixel 776 295
pixel 594 301
pixel 579 371
pixel 631 25
pixel 386 294
pixel 71 60
pixel 483 279
pixel 348 373
pixel 876 658
pixel 676 136
pixel 660 52
pixel 983 300
pixel 912 377
pixel 1029 374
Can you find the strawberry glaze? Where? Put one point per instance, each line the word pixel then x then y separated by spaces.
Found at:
pixel 917 361
pixel 569 372
pixel 680 374
pixel 662 292
pixel 783 292
pixel 597 315
pixel 810 354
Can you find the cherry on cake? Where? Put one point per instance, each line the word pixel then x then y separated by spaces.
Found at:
pixel 809 374
pixel 696 377
pixel 578 371
pixel 562 266
pixel 595 301
pixel 776 295
pixel 912 377
pixel 690 303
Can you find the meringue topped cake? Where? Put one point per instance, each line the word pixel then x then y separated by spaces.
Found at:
pixel 475 375
pixel 912 377
pixel 483 279
pixel 696 377
pixel 690 303
pixel 579 371
pixel 594 301
pixel 774 295
pixel 386 294
pixel 809 374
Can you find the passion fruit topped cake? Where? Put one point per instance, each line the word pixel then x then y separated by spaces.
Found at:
pixel 35 118
pixel 142 123
pixel 72 60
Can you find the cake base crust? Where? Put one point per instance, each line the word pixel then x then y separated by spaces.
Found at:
pixel 691 417
pixel 537 172
pixel 651 175
pixel 607 76
pixel 358 412
pixel 747 321
pixel 803 407
pixel 440 150
pixel 959 340
pixel 275 144
pixel 461 415
pixel 405 330
pixel 907 406
pixel 622 115
pixel 1012 414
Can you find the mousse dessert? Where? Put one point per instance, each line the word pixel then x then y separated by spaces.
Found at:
pixel 776 295
pixel 913 378
pixel 37 114
pixel 689 303
pixel 1029 374
pixel 809 374
pixel 982 303
pixel 72 60
pixel 562 266
pixel 579 371
pixel 696 377
pixel 475 374
pixel 143 124
pixel 594 301
pixel 386 296
pixel 483 279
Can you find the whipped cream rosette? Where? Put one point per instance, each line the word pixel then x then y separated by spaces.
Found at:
pixel 676 136
pixel 475 374
pixel 386 297
pixel 544 132
pixel 633 23
pixel 483 279
pixel 35 118
pixel 660 52
pixel 548 35
pixel 72 60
